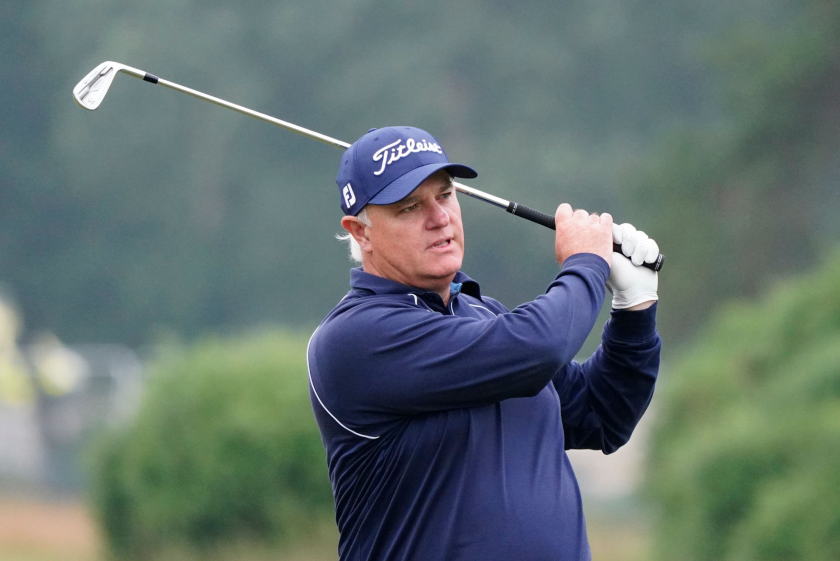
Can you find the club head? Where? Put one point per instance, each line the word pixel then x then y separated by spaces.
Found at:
pixel 90 92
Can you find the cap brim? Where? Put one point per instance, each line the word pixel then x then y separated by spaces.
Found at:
pixel 401 187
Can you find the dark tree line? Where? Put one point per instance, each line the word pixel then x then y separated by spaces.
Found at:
pixel 160 212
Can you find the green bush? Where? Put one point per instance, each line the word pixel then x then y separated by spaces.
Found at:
pixel 224 449
pixel 746 458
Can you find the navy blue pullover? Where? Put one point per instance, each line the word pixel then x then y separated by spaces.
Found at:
pixel 446 426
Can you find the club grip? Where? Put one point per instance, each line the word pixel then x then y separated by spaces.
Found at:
pixel 548 221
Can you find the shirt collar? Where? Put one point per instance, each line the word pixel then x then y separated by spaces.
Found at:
pixel 380 285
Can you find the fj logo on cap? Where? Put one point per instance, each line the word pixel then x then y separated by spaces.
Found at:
pixel 349 195
pixel 391 153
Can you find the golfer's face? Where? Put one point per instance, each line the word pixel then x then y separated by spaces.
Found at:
pixel 419 241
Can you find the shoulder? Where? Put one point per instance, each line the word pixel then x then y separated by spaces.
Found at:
pixel 485 302
pixel 358 318
pixel 358 310
pixel 494 305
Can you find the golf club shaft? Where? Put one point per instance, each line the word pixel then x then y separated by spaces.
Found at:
pixel 251 113
pixel 522 211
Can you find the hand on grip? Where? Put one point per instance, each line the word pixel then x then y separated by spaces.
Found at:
pixel 547 220
pixel 629 282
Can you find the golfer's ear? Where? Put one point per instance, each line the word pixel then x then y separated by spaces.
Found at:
pixel 355 229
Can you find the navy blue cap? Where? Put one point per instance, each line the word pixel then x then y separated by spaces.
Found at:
pixel 387 164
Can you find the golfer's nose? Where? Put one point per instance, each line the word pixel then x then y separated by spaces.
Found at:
pixel 438 217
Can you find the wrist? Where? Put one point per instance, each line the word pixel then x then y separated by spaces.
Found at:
pixel 640 307
pixel 625 325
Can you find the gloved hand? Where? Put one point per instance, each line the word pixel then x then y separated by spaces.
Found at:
pixel 629 282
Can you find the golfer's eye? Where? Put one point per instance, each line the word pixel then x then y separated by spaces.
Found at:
pixel 411 208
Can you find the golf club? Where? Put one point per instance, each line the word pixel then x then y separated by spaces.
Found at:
pixel 91 90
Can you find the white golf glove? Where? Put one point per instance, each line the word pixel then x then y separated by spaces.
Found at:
pixel 629 282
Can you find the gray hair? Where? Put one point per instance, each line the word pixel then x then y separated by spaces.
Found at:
pixel 352 244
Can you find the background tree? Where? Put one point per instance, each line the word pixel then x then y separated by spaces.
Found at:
pixel 754 198
pixel 748 441
pixel 223 451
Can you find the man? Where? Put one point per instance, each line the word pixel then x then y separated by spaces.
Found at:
pixel 444 415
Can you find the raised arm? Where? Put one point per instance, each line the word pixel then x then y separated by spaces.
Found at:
pixel 604 398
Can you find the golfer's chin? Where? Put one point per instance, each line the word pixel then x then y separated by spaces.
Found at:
pixel 442 268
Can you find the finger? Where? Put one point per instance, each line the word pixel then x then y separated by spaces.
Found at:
pixel 640 251
pixel 594 218
pixel 628 239
pixel 564 212
pixel 580 213
pixel 607 219
pixel 652 251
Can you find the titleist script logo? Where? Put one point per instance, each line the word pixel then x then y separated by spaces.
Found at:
pixel 394 151
pixel 349 195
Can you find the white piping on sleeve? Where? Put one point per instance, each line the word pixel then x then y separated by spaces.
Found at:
pixel 483 308
pixel 312 385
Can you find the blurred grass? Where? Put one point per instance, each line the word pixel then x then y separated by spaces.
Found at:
pixel 619 539
pixel 40 530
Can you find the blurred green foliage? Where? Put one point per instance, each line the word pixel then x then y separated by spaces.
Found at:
pixel 224 449
pixel 746 458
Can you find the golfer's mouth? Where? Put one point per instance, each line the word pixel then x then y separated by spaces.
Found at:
pixel 441 244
